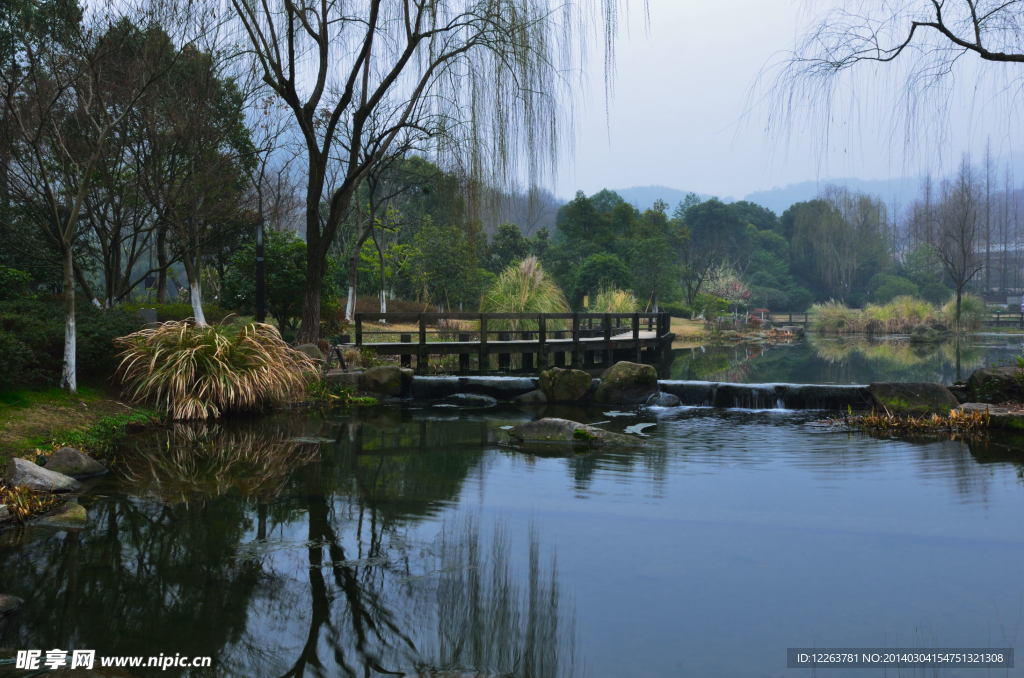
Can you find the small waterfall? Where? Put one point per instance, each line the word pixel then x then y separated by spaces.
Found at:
pixel 769 396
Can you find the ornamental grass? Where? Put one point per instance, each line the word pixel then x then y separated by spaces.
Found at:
pixel 203 372
pixel 614 301
pixel 524 288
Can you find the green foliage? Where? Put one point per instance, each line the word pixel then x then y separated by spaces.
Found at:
pixel 285 266
pixel 326 394
pixel 507 247
pixel 885 286
pixel 14 284
pixel 32 340
pixel 195 372
pixel 599 271
pixel 445 266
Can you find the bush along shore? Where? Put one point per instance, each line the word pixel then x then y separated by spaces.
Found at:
pixel 903 315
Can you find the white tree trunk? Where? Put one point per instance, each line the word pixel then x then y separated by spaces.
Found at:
pixel 350 304
pixel 69 375
pixel 196 296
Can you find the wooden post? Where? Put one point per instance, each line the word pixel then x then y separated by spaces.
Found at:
pixel 359 329
pixel 636 337
pixel 606 327
pixel 464 357
pixel 504 359
pixel 577 357
pixel 542 341
pixel 406 358
pixel 421 357
pixel 484 356
pixel 527 358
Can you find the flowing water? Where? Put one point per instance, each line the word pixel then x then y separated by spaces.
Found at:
pixel 401 541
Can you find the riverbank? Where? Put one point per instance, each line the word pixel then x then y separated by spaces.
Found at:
pixel 92 419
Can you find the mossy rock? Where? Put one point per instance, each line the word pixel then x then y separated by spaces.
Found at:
pixel 552 433
pixel 912 399
pixel 996 385
pixel 565 385
pixel 387 380
pixel 312 351
pixel 627 383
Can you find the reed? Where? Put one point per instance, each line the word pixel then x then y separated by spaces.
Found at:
pixel 614 301
pixel 523 288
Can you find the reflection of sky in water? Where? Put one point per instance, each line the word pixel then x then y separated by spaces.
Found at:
pixel 845 360
pixel 415 543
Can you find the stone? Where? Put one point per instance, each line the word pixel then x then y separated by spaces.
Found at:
pixel 71 516
pixel 959 391
pixel 471 400
pixel 996 385
pixel 627 383
pixel 9 603
pixel 1006 418
pixel 71 462
pixel 554 432
pixel 912 399
pixel 387 380
pixel 312 351
pixel 349 380
pixel 565 385
pixel 23 473
pixel 663 399
pixel 534 397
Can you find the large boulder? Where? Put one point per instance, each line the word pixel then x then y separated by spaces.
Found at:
pixel 471 400
pixel 565 385
pixel 627 383
pixel 387 380
pixel 1008 418
pixel 71 462
pixel 912 399
pixel 565 433
pixel 534 397
pixel 996 385
pixel 23 473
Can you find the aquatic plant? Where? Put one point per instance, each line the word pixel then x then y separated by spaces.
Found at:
pixel 614 301
pixel 202 372
pixel 902 315
pixel 833 317
pixel 957 421
pixel 23 502
pixel 523 288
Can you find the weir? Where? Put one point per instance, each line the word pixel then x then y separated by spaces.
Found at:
pixel 692 393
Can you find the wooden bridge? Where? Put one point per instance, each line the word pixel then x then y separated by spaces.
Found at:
pixel 484 342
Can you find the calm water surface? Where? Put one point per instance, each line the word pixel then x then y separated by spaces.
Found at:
pixel 402 541
pixel 845 360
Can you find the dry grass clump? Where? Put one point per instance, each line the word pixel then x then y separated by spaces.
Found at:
pixel 23 502
pixel 614 301
pixel 523 288
pixel 899 316
pixel 957 421
pixel 194 372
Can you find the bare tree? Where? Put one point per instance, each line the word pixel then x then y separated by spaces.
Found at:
pixel 478 77
pixel 961 231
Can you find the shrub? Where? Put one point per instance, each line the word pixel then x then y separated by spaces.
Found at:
pixel 710 305
pixel 676 309
pixel 833 317
pixel 14 284
pixel 523 288
pixel 885 287
pixel 614 301
pixel 972 312
pixel 196 372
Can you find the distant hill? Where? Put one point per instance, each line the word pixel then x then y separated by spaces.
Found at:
pixel 643 197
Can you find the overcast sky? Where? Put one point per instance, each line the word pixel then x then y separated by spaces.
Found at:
pixel 682 113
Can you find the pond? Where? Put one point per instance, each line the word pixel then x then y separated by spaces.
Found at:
pixel 403 540
pixel 845 360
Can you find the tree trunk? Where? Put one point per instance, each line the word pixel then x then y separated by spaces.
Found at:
pixel 309 331
pixel 195 291
pixel 161 262
pixel 69 375
pixel 959 299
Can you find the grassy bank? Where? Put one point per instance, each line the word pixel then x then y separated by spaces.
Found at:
pixel 902 315
pixel 92 420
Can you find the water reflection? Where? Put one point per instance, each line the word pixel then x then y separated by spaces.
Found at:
pixel 844 360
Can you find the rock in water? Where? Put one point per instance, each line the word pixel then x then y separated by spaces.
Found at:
pixel 535 397
pixel 913 399
pixel 996 385
pixel 26 474
pixel 387 380
pixel 663 400
pixel 71 462
pixel 72 516
pixel 471 400
pixel 9 603
pixel 627 383
pixel 553 432
pixel 565 385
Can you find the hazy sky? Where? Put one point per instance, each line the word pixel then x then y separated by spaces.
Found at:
pixel 682 114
